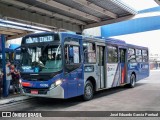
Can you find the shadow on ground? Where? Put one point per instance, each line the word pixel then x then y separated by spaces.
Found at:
pixel 51 103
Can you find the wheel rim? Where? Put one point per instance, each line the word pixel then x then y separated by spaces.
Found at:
pixel 88 91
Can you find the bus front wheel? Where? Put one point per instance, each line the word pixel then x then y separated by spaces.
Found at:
pixel 88 91
pixel 132 81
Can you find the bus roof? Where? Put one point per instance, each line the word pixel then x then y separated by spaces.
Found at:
pixel 136 46
pixel 92 39
pixel 115 41
pixel 121 42
pixel 41 33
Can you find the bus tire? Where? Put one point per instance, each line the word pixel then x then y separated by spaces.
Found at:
pixel 132 81
pixel 88 91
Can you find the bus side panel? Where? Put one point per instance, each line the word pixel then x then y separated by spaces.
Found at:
pixel 71 79
pixel 143 70
pixel 113 74
pixel 133 68
pixel 75 83
pixel 92 74
pixel 65 87
pixel 80 81
pixel 75 78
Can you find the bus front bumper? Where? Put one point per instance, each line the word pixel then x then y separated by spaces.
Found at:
pixel 57 92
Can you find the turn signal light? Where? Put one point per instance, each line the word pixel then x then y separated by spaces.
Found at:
pixel 26 84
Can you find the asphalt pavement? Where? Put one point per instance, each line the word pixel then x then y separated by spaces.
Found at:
pixel 144 97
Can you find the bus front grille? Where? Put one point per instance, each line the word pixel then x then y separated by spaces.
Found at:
pixel 40 91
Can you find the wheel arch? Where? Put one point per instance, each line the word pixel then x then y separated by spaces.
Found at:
pixel 93 81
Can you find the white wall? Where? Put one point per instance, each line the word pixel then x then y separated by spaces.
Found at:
pixel 150 39
pixel 96 31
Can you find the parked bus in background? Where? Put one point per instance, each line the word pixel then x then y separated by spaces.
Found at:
pixel 9 55
pixel 12 55
pixel 65 65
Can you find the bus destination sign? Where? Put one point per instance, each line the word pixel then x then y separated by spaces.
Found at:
pixel 40 39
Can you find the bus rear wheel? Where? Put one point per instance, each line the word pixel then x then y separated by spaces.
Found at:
pixel 88 91
pixel 132 81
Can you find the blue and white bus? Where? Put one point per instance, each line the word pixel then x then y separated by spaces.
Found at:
pixel 12 55
pixel 8 55
pixel 65 65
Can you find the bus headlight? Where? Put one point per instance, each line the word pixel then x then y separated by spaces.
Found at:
pixel 55 84
pixel 20 81
pixel 58 82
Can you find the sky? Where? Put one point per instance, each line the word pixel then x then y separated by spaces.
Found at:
pixel 148 38
pixel 140 4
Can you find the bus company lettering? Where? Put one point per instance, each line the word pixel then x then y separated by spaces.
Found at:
pixel 39 39
pixel 145 66
pixel 111 68
pixel 132 65
pixel 32 40
pixel 44 85
pixel 45 39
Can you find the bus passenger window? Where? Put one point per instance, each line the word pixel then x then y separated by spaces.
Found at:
pixel 72 54
pixel 131 55
pixel 89 52
pixel 112 54
pixel 145 55
pixel 138 55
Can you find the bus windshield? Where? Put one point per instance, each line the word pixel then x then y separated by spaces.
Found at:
pixel 41 59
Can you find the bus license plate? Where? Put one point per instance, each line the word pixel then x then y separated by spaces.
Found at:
pixel 34 91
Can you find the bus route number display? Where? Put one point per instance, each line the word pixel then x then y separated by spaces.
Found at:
pixel 39 39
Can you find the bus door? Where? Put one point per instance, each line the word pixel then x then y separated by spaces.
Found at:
pixel 101 63
pixel 123 59
pixel 72 66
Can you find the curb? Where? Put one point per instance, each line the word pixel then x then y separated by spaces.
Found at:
pixel 11 100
